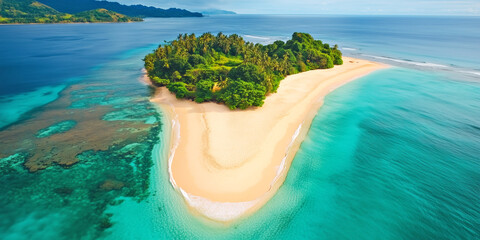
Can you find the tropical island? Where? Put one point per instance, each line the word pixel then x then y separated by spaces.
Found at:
pixel 80 11
pixel 228 163
pixel 30 11
pixel 227 69
pixel 137 10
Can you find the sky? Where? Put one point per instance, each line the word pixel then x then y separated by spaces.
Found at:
pixel 353 7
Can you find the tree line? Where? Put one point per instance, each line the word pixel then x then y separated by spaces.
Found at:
pixel 229 70
pixel 30 11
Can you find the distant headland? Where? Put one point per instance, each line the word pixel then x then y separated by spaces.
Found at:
pixel 75 6
pixel 80 11
pixel 213 11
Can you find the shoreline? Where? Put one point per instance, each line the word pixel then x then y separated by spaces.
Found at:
pixel 6 24
pixel 225 173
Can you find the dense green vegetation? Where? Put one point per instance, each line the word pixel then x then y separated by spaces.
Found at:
pixel 76 6
pixel 29 11
pixel 102 15
pixel 229 70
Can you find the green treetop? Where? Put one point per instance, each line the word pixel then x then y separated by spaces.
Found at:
pixel 30 11
pixel 229 70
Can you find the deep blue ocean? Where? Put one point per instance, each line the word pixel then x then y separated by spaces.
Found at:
pixel 393 155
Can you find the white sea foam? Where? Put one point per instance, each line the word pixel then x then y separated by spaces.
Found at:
pixel 256 37
pixel 421 64
pixel 219 211
pixel 472 72
pixel 349 49
pixel 436 66
pixel 281 167
pixel 176 133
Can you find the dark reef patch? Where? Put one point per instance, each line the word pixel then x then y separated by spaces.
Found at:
pixel 64 164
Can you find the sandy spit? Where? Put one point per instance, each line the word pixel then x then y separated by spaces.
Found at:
pixel 227 164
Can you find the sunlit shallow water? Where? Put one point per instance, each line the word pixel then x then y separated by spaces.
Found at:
pixel 393 155
pixel 398 164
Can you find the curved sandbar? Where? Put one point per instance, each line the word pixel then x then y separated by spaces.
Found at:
pixel 228 163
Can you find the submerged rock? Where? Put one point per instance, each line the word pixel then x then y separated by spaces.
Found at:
pixel 111 184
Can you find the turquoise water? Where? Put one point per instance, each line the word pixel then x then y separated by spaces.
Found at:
pixel 12 107
pixel 65 163
pixel 394 155
pixel 398 164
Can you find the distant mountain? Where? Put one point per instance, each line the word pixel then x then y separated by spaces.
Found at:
pixel 25 11
pixel 30 11
pixel 75 6
pixel 217 12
